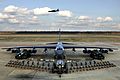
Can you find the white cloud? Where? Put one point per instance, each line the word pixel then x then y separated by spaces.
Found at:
pixel 10 8
pixel 13 21
pixel 100 19
pixel 17 10
pixel 108 19
pixel 13 15
pixel 23 11
pixel 6 17
pixel 103 19
pixel 3 16
pixel 65 13
pixel 41 11
pixel 84 17
pixel 34 18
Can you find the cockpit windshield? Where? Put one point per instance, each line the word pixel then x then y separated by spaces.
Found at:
pixel 59 48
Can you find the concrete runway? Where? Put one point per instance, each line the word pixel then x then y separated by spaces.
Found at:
pixel 8 73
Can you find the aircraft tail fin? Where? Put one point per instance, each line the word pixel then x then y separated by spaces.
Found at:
pixel 59 35
pixel 57 9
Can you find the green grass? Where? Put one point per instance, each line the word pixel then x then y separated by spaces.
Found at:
pixel 69 38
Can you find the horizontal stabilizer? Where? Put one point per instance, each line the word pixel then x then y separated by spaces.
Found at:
pixel 62 43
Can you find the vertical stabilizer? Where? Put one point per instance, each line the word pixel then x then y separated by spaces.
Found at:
pixel 59 35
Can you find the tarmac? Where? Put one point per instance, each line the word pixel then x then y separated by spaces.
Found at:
pixel 11 73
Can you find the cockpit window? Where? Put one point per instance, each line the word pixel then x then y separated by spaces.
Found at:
pixel 59 48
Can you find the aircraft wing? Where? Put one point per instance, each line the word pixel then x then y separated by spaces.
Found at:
pixel 85 47
pixel 34 47
pixel 54 46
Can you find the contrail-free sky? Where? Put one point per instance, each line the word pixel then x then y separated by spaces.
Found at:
pixel 80 15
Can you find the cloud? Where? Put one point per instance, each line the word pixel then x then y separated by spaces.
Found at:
pixel 84 17
pixel 7 18
pixel 23 11
pixel 88 23
pixel 14 9
pixel 103 19
pixel 12 16
pixel 10 9
pixel 100 19
pixel 13 21
pixel 108 19
pixel 44 11
pixel 41 11
pixel 32 18
pixel 65 13
pixel 3 16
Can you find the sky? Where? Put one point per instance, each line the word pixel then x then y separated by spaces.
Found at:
pixel 75 15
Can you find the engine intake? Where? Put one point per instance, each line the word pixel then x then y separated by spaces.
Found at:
pixel 16 51
pixel 87 51
pixel 103 51
pixel 23 54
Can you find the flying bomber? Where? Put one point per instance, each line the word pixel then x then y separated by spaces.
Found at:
pixel 57 10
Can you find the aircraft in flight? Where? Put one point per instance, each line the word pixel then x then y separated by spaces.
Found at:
pixel 60 64
pixel 57 10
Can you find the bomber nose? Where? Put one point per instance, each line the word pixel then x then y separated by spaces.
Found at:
pixel 59 51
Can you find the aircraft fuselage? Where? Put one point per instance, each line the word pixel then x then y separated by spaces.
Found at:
pixel 60 65
pixel 59 51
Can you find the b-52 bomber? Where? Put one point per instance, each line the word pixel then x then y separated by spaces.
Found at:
pixel 24 52
pixel 60 64
pixel 57 10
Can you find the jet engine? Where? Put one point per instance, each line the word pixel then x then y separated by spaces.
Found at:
pixel 103 51
pixel 23 54
pixel 15 51
pixel 87 51
pixel 32 51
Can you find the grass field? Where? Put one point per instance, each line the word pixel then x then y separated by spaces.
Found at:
pixel 64 37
